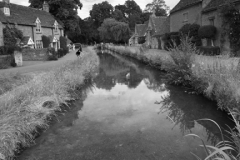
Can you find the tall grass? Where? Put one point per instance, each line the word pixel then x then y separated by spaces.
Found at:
pixel 27 107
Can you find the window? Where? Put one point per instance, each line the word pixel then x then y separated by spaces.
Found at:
pixel 211 20
pixel 39 44
pixel 55 26
pixel 185 17
pixel 38 25
pixel 6 11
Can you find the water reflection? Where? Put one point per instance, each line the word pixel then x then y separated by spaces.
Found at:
pixel 119 119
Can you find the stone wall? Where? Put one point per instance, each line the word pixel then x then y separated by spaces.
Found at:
pixel 35 54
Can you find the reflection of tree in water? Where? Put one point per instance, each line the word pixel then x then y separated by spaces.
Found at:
pixel 103 81
pixel 184 110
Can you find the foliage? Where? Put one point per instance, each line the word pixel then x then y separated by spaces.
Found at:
pixel 62 52
pixel 112 30
pixel 207 31
pixel 11 36
pixel 171 40
pixel 141 40
pixel 52 55
pixel 209 50
pixel 132 8
pixel 63 42
pixel 46 41
pixel 7 61
pixel 118 15
pixel 191 30
pixel 8 50
pixel 231 25
pixel 158 6
pixel 100 12
pixel 64 10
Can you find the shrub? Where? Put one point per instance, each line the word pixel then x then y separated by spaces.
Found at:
pixel 141 40
pixel 191 30
pixel 62 52
pixel 171 39
pixel 7 61
pixel 209 50
pixel 52 54
pixel 11 35
pixel 46 41
pixel 208 31
pixel 63 42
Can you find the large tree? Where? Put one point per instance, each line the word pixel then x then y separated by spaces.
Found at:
pixel 118 15
pixel 158 6
pixel 63 10
pixel 132 8
pixel 100 12
pixel 114 31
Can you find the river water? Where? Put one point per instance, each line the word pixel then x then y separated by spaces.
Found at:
pixel 129 112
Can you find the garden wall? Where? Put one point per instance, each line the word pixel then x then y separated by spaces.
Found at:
pixel 35 54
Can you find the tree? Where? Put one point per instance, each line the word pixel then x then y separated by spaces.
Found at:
pixel 158 6
pixel 132 8
pixel 134 19
pixel 63 10
pixel 114 31
pixel 118 15
pixel 122 8
pixel 100 12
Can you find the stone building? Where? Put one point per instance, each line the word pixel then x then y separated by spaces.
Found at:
pixel 34 23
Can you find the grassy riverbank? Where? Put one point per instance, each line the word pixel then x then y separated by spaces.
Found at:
pixel 27 107
pixel 218 78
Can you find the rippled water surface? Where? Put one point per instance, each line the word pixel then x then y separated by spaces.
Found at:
pixel 129 113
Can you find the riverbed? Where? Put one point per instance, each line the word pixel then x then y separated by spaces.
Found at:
pixel 129 112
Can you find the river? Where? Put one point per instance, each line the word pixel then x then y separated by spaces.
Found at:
pixel 128 112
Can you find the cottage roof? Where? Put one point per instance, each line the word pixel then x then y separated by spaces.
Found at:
pixel 141 29
pixel 184 4
pixel 159 24
pixel 27 16
pixel 214 4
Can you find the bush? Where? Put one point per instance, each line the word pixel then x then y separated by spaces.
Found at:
pixel 7 61
pixel 46 41
pixel 171 39
pixel 63 42
pixel 9 50
pixel 208 31
pixel 11 35
pixel 52 54
pixel 62 52
pixel 141 40
pixel 209 50
pixel 191 30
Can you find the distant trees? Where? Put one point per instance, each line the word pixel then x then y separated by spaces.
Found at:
pixel 158 6
pixel 114 31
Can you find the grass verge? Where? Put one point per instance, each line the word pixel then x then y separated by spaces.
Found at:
pixel 27 107
pixel 215 77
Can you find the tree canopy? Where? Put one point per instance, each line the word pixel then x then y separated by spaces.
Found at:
pixel 112 30
pixel 158 6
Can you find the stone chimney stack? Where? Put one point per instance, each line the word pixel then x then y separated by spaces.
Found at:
pixel 45 6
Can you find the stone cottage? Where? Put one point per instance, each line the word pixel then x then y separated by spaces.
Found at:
pixel 150 31
pixel 211 16
pixel 202 12
pixel 34 23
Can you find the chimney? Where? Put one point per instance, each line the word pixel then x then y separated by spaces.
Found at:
pixel 205 3
pixel 6 1
pixel 45 6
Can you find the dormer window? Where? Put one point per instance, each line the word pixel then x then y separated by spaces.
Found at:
pixel 55 26
pixel 6 11
pixel 38 25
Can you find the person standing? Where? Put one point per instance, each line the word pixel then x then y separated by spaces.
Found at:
pixel 78 53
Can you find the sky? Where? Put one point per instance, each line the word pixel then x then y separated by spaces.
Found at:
pixel 87 4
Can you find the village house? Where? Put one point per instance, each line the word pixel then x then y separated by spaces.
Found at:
pixel 202 12
pixel 34 23
pixel 150 31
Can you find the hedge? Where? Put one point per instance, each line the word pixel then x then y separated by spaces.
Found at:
pixel 209 50
pixel 208 31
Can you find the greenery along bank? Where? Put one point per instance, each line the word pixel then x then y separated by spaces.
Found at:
pixel 27 107
pixel 216 78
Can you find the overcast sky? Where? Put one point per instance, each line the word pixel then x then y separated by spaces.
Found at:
pixel 87 4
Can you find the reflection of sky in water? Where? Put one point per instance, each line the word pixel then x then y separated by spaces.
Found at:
pixel 123 108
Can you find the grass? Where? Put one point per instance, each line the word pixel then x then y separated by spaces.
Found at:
pixel 26 108
pixel 218 78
